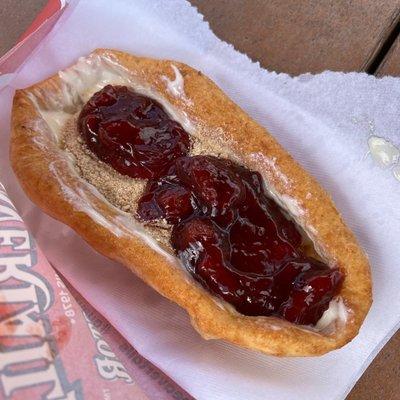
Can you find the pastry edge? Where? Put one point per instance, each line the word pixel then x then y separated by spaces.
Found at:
pixel 267 334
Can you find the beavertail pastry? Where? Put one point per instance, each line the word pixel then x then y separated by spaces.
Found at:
pixel 155 167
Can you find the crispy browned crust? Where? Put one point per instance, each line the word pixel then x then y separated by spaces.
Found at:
pixel 35 166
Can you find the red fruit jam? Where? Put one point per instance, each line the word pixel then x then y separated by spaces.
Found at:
pixel 238 243
pixel 213 181
pixel 166 199
pixel 131 132
pixel 229 234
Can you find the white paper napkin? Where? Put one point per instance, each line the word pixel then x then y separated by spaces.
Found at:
pixel 323 120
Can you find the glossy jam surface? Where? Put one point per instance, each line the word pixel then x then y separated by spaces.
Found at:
pixel 237 242
pixel 229 234
pixel 131 132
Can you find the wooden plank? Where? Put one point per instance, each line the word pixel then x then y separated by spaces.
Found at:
pixel 15 17
pixel 391 63
pixel 303 36
pixel 385 42
pixel 381 381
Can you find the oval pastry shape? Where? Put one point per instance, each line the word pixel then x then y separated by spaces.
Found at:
pixel 100 204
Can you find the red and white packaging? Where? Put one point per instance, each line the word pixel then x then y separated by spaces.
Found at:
pixel 53 344
pixel 50 348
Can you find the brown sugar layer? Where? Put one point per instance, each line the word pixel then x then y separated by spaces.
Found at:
pixel 121 191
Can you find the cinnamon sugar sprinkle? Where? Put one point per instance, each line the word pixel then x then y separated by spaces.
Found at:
pixel 123 191
pixel 120 190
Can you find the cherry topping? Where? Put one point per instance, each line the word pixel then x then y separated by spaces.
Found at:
pixel 240 245
pixel 132 133
pixel 310 296
pixel 204 249
pixel 249 295
pixel 261 236
pixel 213 181
pixel 167 199
pixel 198 231
pixel 256 248
pixel 230 235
